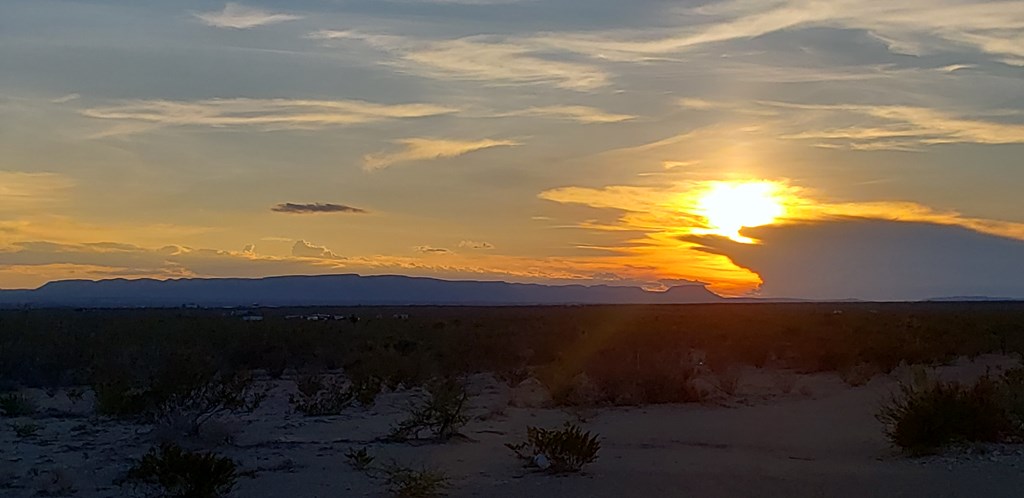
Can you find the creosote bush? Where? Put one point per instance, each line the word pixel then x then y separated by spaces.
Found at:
pixel 26 430
pixel 16 405
pixel 564 450
pixel 359 459
pixel 621 378
pixel 169 471
pixel 220 395
pixel 924 417
pixel 406 481
pixel 400 480
pixel 442 414
pixel 321 395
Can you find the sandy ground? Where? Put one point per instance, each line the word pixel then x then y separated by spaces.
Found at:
pixel 819 439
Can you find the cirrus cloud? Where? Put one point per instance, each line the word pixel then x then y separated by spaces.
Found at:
pixel 265 114
pixel 238 16
pixel 418 149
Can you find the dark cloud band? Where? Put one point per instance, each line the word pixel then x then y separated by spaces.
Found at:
pixel 314 208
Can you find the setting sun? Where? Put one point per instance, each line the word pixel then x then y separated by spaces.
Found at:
pixel 730 207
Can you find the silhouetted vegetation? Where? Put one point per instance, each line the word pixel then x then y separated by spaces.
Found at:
pixel 359 459
pixel 169 471
pixel 926 416
pixel 408 482
pixel 321 394
pixel 441 414
pixel 16 405
pixel 26 429
pixel 557 450
pixel 138 360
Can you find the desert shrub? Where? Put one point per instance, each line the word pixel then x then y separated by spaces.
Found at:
pixel 408 482
pixel 17 405
pixel 564 450
pixel 26 429
pixel 622 377
pixel 859 374
pixel 924 419
pixel 1012 383
pixel 729 380
pixel 359 459
pixel 234 394
pixel 443 413
pixel 170 471
pixel 321 395
pixel 365 390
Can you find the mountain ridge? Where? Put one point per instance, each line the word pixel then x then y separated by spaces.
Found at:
pixel 338 289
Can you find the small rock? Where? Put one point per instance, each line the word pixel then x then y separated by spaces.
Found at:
pixel 542 462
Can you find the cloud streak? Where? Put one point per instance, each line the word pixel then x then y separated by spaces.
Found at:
pixel 432 250
pixel 265 114
pixel 420 149
pixel 237 16
pixel 23 191
pixel 477 245
pixel 315 208
pixel 578 113
pixel 491 59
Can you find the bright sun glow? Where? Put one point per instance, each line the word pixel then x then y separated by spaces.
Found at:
pixel 729 207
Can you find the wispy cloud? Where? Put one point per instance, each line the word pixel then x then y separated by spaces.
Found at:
pixel 909 26
pixel 900 127
pixel 418 149
pixel 267 114
pixel 23 191
pixel 492 59
pixel 473 244
pixel 66 98
pixel 432 250
pixel 239 16
pixel 315 208
pixel 460 2
pixel 578 113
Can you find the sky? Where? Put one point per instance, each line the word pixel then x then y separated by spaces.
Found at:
pixel 865 149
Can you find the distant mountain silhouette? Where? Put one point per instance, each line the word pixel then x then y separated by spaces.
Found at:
pixel 339 290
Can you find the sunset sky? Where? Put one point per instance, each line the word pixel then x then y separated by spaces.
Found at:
pixel 781 148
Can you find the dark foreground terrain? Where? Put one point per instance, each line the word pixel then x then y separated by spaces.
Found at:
pixel 718 400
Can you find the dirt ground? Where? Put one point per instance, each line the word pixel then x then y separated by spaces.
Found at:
pixel 806 435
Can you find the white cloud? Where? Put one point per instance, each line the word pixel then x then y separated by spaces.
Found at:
pixel 66 98
pixel 238 16
pixel 461 2
pixel 909 27
pixel 417 149
pixel 492 59
pixel 303 249
pixel 902 127
pixel 270 114
pixel 579 113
